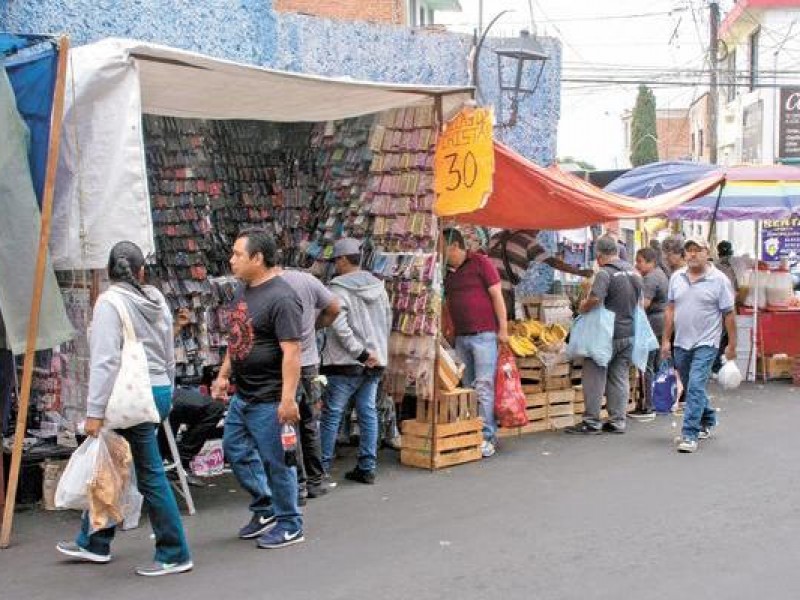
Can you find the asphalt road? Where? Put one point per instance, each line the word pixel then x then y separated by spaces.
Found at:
pixel 550 517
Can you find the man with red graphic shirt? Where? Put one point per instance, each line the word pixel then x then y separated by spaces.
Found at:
pixel 475 302
pixel 264 357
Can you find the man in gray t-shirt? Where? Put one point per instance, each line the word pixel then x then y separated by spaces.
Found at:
pixel 618 287
pixel 700 299
pixel 320 308
pixel 655 284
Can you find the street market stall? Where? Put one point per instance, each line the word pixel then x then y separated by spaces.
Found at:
pixel 745 193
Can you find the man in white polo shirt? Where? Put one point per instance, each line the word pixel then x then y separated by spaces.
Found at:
pixel 700 299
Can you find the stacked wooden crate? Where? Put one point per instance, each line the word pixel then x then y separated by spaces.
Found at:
pixel 446 432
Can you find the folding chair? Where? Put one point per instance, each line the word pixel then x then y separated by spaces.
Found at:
pixel 182 485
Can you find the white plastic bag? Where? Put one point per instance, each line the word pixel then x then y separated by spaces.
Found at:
pixel 132 511
pixel 592 336
pixel 73 487
pixel 729 376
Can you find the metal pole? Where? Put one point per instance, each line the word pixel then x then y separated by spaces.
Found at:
pixel 713 90
pixel 38 286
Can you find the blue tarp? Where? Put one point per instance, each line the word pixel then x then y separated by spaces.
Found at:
pixel 657 178
pixel 31 63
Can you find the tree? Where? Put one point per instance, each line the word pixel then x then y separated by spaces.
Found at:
pixel 644 136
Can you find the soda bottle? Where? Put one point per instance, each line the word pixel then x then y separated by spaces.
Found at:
pixel 289 443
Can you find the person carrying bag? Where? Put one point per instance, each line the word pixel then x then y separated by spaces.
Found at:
pixel 131 378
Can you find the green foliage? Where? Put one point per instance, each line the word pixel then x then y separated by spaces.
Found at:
pixel 644 135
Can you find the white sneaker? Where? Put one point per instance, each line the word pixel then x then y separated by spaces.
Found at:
pixel 687 446
pixel 72 550
pixel 487 449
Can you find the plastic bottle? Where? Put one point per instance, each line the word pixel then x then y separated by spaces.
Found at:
pixel 289 443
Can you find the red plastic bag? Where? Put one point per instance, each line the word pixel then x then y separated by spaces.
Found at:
pixel 509 401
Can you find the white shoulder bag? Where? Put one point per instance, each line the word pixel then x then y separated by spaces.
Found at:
pixel 131 402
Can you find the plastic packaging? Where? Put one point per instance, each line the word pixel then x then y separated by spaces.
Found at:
pixel 592 336
pixel 665 388
pixel 644 340
pixel 729 376
pixel 780 288
pixel 757 287
pixel 509 399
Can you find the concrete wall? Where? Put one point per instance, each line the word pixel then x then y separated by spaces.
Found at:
pixel 251 31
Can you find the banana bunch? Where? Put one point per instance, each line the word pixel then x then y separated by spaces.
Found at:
pixel 521 345
pixel 553 334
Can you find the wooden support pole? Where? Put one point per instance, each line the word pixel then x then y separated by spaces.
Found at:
pixel 38 285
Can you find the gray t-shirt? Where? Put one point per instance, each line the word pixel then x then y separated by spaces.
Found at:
pixel 619 287
pixel 655 286
pixel 699 307
pixel 314 297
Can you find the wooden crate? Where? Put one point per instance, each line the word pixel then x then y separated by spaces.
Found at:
pixel 559 382
pixel 455 443
pixel 576 373
pixel 459 405
pixel 775 367
pixel 536 409
pixel 558 370
pixel 557 423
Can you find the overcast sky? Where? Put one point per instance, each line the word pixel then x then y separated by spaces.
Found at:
pixel 648 40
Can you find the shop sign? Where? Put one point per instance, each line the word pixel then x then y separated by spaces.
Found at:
pixel 464 162
pixel 780 239
pixel 789 124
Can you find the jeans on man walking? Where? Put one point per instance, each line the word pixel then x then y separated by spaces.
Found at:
pixel 162 508
pixel 479 354
pixel 694 367
pixel 613 381
pixel 252 445
pixel 364 388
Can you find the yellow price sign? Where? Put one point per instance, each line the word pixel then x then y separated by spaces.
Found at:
pixel 464 163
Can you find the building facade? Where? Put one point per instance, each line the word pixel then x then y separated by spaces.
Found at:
pixel 673 133
pixel 759 100
pixel 276 34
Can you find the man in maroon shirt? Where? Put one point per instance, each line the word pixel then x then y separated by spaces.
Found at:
pixel 476 306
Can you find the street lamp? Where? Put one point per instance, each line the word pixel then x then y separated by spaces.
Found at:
pixel 518 57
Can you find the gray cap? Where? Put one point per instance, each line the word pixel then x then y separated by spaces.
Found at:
pixel 346 247
pixel 606 246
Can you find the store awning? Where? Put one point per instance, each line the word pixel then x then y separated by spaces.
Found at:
pixel 101 188
pixel 178 83
pixel 527 196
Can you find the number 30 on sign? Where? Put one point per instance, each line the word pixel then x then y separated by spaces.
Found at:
pixel 464 163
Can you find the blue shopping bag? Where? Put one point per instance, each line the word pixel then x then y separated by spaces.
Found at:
pixel 592 336
pixel 644 340
pixel 665 387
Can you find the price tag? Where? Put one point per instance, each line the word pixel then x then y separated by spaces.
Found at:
pixel 464 163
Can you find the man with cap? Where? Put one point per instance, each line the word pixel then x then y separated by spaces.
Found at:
pixel 512 250
pixel 354 357
pixel 699 300
pixel 617 287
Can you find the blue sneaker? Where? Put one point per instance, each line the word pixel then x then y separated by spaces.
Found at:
pixel 258 525
pixel 280 538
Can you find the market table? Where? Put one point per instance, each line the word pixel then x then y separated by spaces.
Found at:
pixel 778 331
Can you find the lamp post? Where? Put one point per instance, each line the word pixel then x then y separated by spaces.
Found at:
pixel 529 51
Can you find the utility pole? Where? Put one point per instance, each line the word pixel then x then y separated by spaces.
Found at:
pixel 713 91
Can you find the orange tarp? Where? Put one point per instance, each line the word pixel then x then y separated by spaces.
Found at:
pixel 527 196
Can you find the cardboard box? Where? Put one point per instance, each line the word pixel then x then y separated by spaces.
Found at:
pixel 775 367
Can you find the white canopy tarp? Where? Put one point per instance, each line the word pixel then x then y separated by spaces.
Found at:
pixel 101 187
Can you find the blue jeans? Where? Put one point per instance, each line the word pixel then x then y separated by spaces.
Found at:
pixel 162 509
pixel 340 388
pixel 252 445
pixel 479 354
pixel 694 367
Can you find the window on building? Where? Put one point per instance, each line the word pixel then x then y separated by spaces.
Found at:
pixel 694 144
pixel 701 143
pixel 731 73
pixel 753 59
